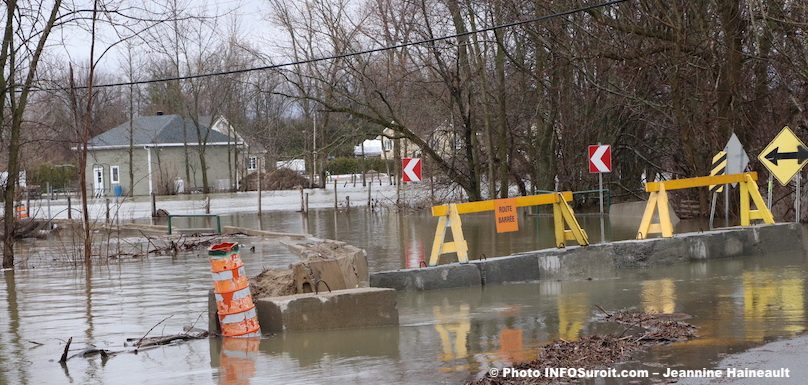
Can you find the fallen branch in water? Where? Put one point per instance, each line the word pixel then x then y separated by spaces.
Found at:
pixel 188 334
pixel 64 353
pixel 150 330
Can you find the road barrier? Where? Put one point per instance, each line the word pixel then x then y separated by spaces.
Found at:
pixel 217 229
pixel 565 225
pixel 658 201
pixel 231 287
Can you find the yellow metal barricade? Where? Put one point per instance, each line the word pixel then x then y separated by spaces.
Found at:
pixel 658 201
pixel 565 224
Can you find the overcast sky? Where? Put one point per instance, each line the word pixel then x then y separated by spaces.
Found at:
pixel 73 43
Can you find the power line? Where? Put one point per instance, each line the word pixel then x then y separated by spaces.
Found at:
pixel 357 53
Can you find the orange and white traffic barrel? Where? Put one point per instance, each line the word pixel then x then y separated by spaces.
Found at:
pixel 231 287
pixel 22 211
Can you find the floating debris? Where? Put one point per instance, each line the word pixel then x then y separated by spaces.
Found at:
pixel 643 331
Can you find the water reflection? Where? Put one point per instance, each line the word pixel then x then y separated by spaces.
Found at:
pixel 769 297
pixel 511 337
pixel 14 328
pixel 574 310
pixel 453 326
pixel 237 360
pixel 315 348
pixel 659 296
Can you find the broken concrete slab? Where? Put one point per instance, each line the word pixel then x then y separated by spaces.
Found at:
pixel 430 278
pixel 341 309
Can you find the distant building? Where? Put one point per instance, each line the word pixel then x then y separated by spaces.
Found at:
pixel 159 157
pixel 298 165
pixel 382 147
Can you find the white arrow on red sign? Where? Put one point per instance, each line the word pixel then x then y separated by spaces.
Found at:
pixel 411 169
pixel 600 158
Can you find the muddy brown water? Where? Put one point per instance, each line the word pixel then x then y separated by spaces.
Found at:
pixel 445 336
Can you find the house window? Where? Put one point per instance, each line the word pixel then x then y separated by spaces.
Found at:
pixel 115 174
pixel 252 163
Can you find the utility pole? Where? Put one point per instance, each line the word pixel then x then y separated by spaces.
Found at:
pixel 314 150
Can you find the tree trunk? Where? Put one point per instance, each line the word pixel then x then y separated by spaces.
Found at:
pixel 502 117
pixel 17 110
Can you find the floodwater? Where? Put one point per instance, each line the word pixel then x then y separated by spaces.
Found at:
pixel 404 240
pixel 445 336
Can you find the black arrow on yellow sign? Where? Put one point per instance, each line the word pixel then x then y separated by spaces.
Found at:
pixel 775 155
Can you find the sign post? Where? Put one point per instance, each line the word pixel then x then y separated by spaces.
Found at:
pixel 737 160
pixel 785 156
pixel 600 161
pixel 797 199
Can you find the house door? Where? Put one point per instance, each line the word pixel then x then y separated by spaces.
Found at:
pixel 98 181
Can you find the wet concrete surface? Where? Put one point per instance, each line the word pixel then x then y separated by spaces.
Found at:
pixel 445 336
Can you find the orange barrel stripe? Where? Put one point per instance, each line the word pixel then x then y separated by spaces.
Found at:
pixel 239 324
pixel 230 281
pixel 218 265
pixel 234 304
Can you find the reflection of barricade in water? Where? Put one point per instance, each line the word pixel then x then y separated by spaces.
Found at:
pixel 768 297
pixel 457 323
pixel 237 362
pixel 659 296
pixel 573 313
pixel 234 303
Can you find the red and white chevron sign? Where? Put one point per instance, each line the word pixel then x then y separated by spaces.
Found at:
pixel 411 169
pixel 600 158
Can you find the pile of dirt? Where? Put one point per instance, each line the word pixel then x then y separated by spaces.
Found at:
pixel 278 179
pixel 272 283
pixel 324 249
pixel 643 331
pixel 324 265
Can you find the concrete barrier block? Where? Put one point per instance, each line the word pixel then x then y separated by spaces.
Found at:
pixel 213 319
pixel 351 308
pixel 577 262
pixel 646 252
pixel 516 268
pixel 430 278
pixel 721 244
pixel 779 237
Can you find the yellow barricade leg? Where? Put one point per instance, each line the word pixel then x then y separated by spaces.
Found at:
pixel 648 214
pixel 457 245
pixel 558 223
pixel 437 243
pixel 749 189
pixel 657 203
pixel 563 216
pixel 665 224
